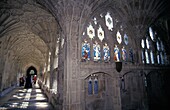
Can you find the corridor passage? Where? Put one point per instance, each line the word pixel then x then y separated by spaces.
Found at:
pixel 25 99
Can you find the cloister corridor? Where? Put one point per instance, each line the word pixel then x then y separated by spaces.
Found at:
pixel 84 54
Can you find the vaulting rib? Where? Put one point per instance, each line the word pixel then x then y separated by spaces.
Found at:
pixel 140 13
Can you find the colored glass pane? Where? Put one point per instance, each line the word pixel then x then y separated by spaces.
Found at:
pixel 85 50
pixel 125 39
pixel 95 86
pixel 147 43
pixel 95 20
pixel 109 21
pixel 116 53
pixel 152 57
pixel 162 46
pixel 158 58
pixel 143 57
pixel 143 43
pixel 151 33
pixel 158 45
pixel 119 37
pixel 106 52
pixel 90 31
pixel 162 58
pixel 100 33
pixel 90 87
pixel 96 51
pixel 147 57
pixel 124 54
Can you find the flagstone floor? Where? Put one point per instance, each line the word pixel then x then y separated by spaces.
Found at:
pixel 25 99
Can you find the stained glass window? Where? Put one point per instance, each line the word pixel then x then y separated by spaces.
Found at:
pixel 116 54
pixel 151 33
pixel 152 48
pixel 90 31
pixel 158 58
pixel 95 21
pixel 147 57
pixel 95 86
pixel 160 52
pixel 147 43
pixel 162 58
pixel 100 33
pixel 143 57
pixel 109 21
pixel 124 54
pixel 90 87
pixel 143 44
pixel 157 45
pixel 106 52
pixel 152 57
pixel 85 51
pixel 98 39
pixel 162 46
pixel 96 49
pixel 126 39
pixel 119 37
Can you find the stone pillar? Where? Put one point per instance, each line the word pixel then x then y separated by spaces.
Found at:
pixel 51 68
pixel 71 68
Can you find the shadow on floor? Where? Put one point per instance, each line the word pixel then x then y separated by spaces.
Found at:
pixel 26 99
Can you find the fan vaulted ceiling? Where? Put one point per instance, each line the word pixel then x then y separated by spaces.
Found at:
pixel 26 31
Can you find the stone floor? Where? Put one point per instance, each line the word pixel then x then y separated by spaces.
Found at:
pixel 25 99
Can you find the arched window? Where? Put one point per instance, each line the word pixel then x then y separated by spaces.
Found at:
pixel 105 40
pixel 153 51
pixel 151 33
pixel 32 72
pixel 93 84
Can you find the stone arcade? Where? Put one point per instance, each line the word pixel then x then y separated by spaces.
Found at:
pixel 89 54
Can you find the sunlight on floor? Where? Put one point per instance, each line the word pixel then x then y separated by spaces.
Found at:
pixel 27 96
pixel 39 95
pixel 24 105
pixel 41 104
pixel 31 99
pixel 40 98
pixel 38 90
pixel 16 96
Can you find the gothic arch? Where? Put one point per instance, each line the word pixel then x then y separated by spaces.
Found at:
pixel 132 84
pixel 100 91
pixel 31 69
pixel 156 87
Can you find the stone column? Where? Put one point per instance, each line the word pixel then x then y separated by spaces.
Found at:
pixel 72 16
pixel 51 68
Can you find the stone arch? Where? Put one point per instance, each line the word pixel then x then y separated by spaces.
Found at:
pixel 108 89
pixel 133 90
pixel 29 70
pixel 30 66
pixel 157 89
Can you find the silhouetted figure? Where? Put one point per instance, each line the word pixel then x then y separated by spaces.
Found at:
pixel 28 83
pixel 21 81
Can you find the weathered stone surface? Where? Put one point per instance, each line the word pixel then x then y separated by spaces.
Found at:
pixel 30 31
